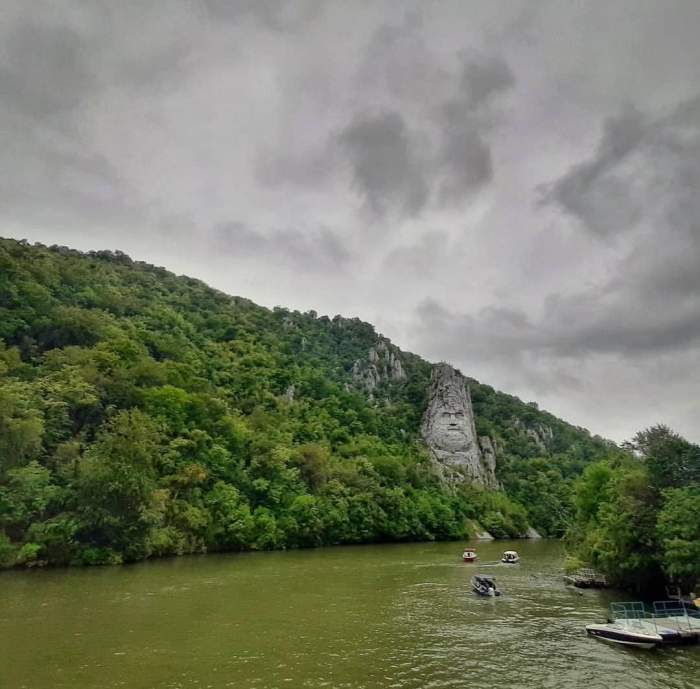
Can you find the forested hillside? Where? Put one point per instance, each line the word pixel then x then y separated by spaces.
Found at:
pixel 145 414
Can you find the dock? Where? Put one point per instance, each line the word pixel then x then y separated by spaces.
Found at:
pixel 664 615
pixel 673 614
pixel 587 579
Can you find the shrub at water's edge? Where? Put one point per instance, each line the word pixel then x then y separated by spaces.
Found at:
pixel 144 414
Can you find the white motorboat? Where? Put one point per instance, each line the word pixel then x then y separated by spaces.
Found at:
pixel 510 557
pixel 638 633
pixel 630 624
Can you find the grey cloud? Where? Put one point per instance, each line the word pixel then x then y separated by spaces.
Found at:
pixel 493 338
pixel 274 14
pixel 385 167
pixel 596 321
pixel 421 259
pixel 644 179
pixel 426 142
pixel 644 171
pixel 317 251
pixel 62 182
pixel 48 172
pixel 43 70
pixel 307 168
pixel 465 159
pixel 393 170
pixel 484 79
pixel 593 191
pixel 399 61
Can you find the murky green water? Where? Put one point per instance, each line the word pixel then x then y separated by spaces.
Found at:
pixel 376 616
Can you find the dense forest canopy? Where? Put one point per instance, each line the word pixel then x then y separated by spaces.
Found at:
pixel 145 414
pixel 638 516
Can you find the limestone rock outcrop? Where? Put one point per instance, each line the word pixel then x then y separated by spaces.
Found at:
pixel 540 433
pixel 488 455
pixel 448 430
pixel 383 363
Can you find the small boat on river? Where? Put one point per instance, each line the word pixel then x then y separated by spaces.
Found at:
pixel 510 557
pixel 485 586
pixel 469 555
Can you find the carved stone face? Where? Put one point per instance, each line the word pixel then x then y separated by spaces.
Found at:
pixel 449 432
pixel 451 428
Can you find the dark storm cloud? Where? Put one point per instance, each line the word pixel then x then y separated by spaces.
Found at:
pixel 640 190
pixel 385 167
pixel 643 169
pixel 318 251
pixel 393 167
pixel 465 157
pixel 638 320
pixel 482 80
pixel 425 142
pixel 644 179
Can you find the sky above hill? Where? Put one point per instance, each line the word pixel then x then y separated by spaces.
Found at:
pixel 513 187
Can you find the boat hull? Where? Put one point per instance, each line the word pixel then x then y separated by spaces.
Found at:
pixel 491 594
pixel 484 587
pixel 615 633
pixel 614 638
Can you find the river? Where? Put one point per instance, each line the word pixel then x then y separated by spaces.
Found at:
pixel 375 617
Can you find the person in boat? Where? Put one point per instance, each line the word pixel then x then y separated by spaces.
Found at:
pixel 486 586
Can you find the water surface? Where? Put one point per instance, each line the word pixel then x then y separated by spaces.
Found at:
pixel 399 616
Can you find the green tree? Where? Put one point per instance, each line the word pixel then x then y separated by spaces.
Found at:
pixel 116 482
pixel 231 525
pixel 678 529
pixel 21 425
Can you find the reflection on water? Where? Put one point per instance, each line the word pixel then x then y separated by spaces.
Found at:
pixel 398 616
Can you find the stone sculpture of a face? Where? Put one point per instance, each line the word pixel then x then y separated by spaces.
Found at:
pixel 451 430
pixel 448 420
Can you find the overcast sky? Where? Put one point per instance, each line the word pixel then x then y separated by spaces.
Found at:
pixel 513 187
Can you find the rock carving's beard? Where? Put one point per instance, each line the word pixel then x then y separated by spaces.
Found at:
pixel 451 439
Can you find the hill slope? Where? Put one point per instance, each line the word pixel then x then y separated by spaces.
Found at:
pixel 145 414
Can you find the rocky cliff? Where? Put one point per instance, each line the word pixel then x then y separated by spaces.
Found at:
pixel 449 432
pixel 383 363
